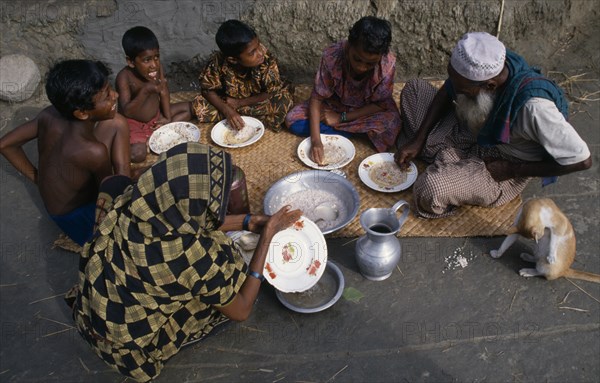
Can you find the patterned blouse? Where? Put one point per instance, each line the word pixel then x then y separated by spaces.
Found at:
pixel 331 81
pixel 222 77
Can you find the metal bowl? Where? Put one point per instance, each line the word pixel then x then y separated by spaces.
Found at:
pixel 321 296
pixel 318 180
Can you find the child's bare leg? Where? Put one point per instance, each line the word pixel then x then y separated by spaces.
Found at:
pixel 114 134
pixel 138 152
pixel 182 111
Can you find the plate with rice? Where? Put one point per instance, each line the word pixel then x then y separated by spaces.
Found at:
pixel 338 151
pixel 224 135
pixel 174 133
pixel 297 257
pixel 380 172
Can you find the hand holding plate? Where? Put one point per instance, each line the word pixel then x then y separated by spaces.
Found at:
pixel 281 220
pixel 258 222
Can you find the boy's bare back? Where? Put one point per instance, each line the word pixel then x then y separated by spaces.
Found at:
pixel 72 162
pixel 81 140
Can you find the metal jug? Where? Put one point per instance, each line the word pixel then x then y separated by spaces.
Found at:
pixel 378 251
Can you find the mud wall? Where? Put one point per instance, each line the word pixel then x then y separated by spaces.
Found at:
pixel 424 31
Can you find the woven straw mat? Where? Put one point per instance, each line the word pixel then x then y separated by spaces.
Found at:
pixel 274 156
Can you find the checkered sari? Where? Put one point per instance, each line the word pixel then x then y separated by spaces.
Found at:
pixel 157 267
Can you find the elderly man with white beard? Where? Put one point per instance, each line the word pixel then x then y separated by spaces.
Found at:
pixel 495 124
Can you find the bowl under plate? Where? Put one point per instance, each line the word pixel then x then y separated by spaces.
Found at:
pixel 321 296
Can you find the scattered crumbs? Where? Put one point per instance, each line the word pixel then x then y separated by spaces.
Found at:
pixel 458 259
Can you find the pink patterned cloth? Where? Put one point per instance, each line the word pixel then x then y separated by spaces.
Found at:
pixel 342 93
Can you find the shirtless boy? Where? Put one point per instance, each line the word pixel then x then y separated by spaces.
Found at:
pixel 81 140
pixel 143 92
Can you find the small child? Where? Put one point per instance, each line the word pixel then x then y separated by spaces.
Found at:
pixel 352 91
pixel 143 91
pixel 81 140
pixel 241 79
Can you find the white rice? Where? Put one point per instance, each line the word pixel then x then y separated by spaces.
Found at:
pixel 177 134
pixel 458 259
pixel 233 136
pixel 387 174
pixel 307 200
pixel 333 153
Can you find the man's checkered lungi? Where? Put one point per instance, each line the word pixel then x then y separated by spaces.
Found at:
pixel 457 174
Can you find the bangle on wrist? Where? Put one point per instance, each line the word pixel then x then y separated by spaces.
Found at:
pixel 246 222
pixel 343 117
pixel 256 275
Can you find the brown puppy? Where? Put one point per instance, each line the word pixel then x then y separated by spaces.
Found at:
pixel 541 220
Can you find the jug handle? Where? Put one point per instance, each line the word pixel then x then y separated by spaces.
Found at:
pixel 404 216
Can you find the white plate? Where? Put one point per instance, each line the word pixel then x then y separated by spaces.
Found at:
pixel 219 131
pixel 297 257
pixel 169 135
pixel 367 165
pixel 328 140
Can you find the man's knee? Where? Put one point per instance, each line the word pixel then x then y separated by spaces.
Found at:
pixel 413 87
pixel 426 191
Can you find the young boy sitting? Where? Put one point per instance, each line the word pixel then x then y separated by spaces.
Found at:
pixel 81 140
pixel 241 79
pixel 143 91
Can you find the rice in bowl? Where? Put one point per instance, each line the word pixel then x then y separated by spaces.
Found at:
pixel 337 187
pixel 307 200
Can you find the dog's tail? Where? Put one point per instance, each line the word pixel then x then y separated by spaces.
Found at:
pixel 583 275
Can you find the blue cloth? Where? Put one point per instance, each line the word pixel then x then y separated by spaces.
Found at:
pixel 524 82
pixel 79 223
pixel 302 128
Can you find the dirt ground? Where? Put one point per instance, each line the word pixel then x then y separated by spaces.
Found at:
pixel 427 323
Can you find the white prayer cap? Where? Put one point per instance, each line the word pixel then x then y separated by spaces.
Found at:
pixel 478 56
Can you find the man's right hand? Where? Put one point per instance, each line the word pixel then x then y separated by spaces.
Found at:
pixel 407 153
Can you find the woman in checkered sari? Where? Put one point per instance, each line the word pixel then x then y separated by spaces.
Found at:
pixel 160 271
